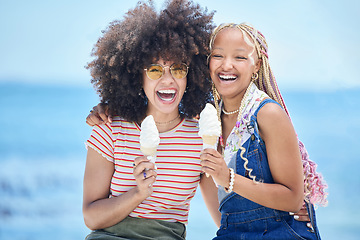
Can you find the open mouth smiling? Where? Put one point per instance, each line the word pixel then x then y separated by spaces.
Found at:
pixel 227 77
pixel 167 95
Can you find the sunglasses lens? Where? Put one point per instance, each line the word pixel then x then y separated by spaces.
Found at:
pixel 179 70
pixel 154 72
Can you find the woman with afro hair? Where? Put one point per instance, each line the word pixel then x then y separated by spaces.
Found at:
pixel 149 63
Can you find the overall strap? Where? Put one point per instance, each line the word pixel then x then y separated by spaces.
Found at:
pixel 265 101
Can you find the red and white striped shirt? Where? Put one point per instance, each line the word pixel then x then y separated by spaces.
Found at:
pixel 177 162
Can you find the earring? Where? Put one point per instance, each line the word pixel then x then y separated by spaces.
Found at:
pixel 254 76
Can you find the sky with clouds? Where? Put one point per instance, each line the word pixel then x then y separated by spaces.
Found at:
pixel 313 44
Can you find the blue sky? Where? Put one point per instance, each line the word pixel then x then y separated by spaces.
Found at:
pixel 312 44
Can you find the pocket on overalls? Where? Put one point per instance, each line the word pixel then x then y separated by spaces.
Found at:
pixel 297 229
pixel 291 231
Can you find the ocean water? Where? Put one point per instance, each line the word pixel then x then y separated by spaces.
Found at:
pixel 42 158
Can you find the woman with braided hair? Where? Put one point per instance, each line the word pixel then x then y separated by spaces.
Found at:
pixel 260 164
pixel 246 136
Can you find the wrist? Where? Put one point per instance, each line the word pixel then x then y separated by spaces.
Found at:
pixel 139 195
pixel 229 189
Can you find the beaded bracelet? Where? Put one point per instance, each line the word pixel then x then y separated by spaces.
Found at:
pixel 232 178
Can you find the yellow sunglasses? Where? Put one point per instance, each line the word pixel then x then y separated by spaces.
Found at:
pixel 177 70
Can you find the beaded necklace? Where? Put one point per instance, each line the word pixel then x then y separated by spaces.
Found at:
pixel 230 113
pixel 240 113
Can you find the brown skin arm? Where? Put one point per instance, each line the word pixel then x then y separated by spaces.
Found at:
pixel 302 215
pixel 209 194
pixel 99 115
pixel 99 210
pixel 287 192
pixel 284 157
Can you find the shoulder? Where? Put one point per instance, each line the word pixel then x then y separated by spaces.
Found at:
pixel 191 121
pixel 272 113
pixel 270 108
pixel 118 126
pixel 273 121
pixel 119 122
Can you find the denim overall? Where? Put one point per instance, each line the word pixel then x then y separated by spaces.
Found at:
pixel 244 219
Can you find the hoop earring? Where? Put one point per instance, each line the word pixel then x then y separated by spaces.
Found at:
pixel 254 76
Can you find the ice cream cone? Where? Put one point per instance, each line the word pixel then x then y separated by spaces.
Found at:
pixel 210 141
pixel 149 152
pixel 209 127
pixel 149 138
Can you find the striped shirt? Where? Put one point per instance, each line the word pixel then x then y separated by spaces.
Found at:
pixel 177 162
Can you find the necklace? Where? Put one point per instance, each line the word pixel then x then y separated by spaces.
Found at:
pixel 168 122
pixel 230 113
pixel 240 111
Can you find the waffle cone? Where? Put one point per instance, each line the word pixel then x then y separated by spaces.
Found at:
pixel 148 151
pixel 210 139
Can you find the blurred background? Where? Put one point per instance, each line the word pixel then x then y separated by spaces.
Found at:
pixel 45 95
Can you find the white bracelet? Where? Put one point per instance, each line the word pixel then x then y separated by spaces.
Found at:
pixel 231 184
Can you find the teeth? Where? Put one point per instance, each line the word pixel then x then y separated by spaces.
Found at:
pixel 167 91
pixel 166 94
pixel 228 77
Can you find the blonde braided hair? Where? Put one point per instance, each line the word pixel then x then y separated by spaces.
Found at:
pixel 314 185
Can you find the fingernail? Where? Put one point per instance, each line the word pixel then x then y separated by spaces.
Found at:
pixel 296 217
pixel 291 213
pixel 309 225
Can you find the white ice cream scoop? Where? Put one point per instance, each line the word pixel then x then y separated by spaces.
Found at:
pixel 209 127
pixel 149 138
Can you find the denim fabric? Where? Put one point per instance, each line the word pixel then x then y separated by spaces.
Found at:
pixel 244 219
